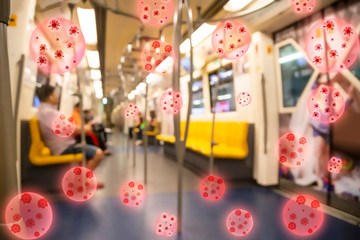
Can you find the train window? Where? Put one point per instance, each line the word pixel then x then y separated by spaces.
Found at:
pixel 225 95
pixel 355 68
pixel 295 74
pixel 198 97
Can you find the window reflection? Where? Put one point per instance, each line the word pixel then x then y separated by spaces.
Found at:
pixel 198 97
pixel 295 73
pixel 225 95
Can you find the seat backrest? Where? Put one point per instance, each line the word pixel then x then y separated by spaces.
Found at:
pixel 157 129
pixel 238 134
pixel 37 143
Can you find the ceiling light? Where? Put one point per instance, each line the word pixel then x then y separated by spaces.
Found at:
pixel 197 37
pixel 88 25
pixel 224 97
pixel 93 58
pixel 236 5
pixel 129 48
pixel 95 74
pixel 98 89
pixel 104 101
pixel 153 78
pixel 131 96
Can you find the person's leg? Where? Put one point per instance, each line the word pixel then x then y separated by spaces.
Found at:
pixel 139 134
pixel 131 132
pixel 95 160
pixel 93 157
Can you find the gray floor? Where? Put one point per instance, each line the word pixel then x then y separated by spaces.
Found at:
pixel 162 173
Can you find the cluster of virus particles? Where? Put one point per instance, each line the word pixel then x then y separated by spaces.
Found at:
pixel 57 45
pixel 79 184
pixel 165 225
pixel 155 12
pixel 28 215
pixel 212 188
pixel 154 54
pixel 334 165
pixel 171 102
pixel 332 45
pixel 244 99
pixel 292 150
pixel 63 126
pixel 303 215
pixel 231 40
pixel 303 6
pixel 132 194
pixel 131 111
pixel 239 222
pixel 326 104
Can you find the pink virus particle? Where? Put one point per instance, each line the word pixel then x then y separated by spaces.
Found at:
pixel 79 184
pixel 155 12
pixel 157 57
pixel 171 102
pixel 291 150
pixel 334 165
pixel 326 104
pixel 63 39
pixel 244 99
pixel 63 126
pixel 165 225
pixel 237 39
pixel 303 6
pixel 28 215
pixel 239 223
pixel 212 188
pixel 132 194
pixel 131 111
pixel 342 45
pixel 303 215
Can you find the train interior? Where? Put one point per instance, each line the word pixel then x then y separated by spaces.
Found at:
pixel 179 119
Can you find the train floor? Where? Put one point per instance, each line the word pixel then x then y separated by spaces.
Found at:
pixel 104 217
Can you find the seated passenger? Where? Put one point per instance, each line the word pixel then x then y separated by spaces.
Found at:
pixel 47 112
pixel 139 125
pixel 153 121
pixel 94 138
